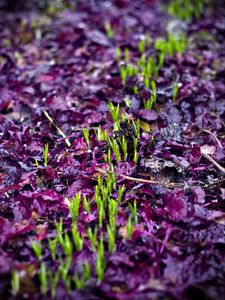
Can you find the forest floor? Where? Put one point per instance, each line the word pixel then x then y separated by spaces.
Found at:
pixel 112 151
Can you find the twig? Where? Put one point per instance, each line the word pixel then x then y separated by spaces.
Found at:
pixel 214 162
pixel 215 182
pixel 212 134
pixel 168 185
pixel 58 129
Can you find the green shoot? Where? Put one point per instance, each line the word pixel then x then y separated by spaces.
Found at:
pixel 100 262
pixel 127 102
pixel 133 209
pixel 109 30
pixel 78 281
pixel 37 250
pixel 92 237
pixel 59 229
pixel 15 282
pixel 67 246
pixel 77 237
pixel 52 246
pixel 86 137
pixel 153 86
pixel 101 135
pixel 126 55
pixel 45 154
pixel 124 147
pixel 86 205
pixel 120 193
pixel 118 53
pixel 101 213
pixel 112 210
pixel 135 90
pixel 135 150
pixel 86 271
pixel 129 228
pixel 115 113
pixel 175 92
pixel 141 45
pixel 43 278
pixel 54 282
pixel 111 239
pixel 123 74
pixel 137 127
pixel 64 268
pixel 74 207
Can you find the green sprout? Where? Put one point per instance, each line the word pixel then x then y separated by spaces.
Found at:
pixel 115 113
pixel 124 147
pixel 86 205
pixel 100 262
pixel 15 282
pixel 175 91
pixel 123 74
pixel 141 45
pixel 186 10
pixel 118 53
pixel 59 229
pixel 64 268
pixel 67 246
pixel 129 228
pixel 109 30
pixel 45 154
pixel 135 90
pixel 92 235
pixel 77 237
pixel 127 55
pixel 111 239
pixel 78 281
pixel 52 246
pixel 37 250
pixel 112 210
pixel 135 150
pixel 54 279
pixel 101 135
pixel 74 207
pixel 43 278
pixel 137 127
pixel 115 148
pixel 127 102
pixel 133 209
pixel 86 137
pixel 120 193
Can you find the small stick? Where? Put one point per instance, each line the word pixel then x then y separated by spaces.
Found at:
pixel 168 185
pixel 214 162
pixel 58 129
pixel 212 134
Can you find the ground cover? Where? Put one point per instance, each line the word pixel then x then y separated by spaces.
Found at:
pixel 112 150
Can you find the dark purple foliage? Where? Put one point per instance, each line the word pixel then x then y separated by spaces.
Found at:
pixel 66 65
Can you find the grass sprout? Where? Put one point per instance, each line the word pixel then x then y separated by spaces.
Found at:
pixel 43 278
pixel 129 228
pixel 109 30
pixel 175 91
pixel 77 237
pixel 45 154
pixel 37 250
pixel 15 282
pixel 111 239
pixel 133 209
pixel 52 245
pixel 86 137
pixel 74 206
pixel 92 235
pixel 100 264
